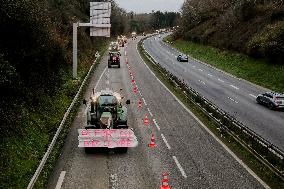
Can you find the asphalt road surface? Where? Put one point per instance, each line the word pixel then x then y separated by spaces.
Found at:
pixel 190 155
pixel 235 96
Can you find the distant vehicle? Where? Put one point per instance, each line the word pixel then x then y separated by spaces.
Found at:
pixel 114 46
pixel 133 35
pixel 182 58
pixel 120 41
pixel 143 34
pixel 271 100
pixel 124 39
pixel 159 35
pixel 114 59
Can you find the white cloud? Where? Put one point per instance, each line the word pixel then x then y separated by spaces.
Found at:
pixel 141 6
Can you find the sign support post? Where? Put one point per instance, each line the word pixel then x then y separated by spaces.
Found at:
pixel 99 23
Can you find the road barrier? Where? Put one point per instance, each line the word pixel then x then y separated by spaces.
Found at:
pixel 263 150
pixel 51 145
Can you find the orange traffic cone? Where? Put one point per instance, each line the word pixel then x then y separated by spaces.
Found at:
pixel 135 89
pixel 152 143
pixel 146 120
pixel 140 103
pixel 165 182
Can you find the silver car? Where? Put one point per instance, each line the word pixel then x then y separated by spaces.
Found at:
pixel 271 100
pixel 182 58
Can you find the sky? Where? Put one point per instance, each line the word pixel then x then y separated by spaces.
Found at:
pixel 146 6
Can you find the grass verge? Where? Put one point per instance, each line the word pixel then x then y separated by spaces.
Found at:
pixel 256 71
pixel 21 155
pixel 264 172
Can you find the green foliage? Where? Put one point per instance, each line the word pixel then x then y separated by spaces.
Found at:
pixel 35 78
pixel 234 25
pixel 269 43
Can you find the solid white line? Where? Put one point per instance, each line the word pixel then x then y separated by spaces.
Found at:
pixel 180 167
pixel 60 180
pixel 221 80
pixel 234 87
pixel 150 112
pixel 252 95
pixel 165 141
pixel 144 101
pixel 156 124
pixel 212 134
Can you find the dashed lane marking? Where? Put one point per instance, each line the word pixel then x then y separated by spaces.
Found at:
pixel 150 112
pixel 233 100
pixel 233 86
pixel 252 95
pixel 156 124
pixel 201 82
pixel 60 180
pixel 179 167
pixel 221 80
pixel 144 101
pixel 165 141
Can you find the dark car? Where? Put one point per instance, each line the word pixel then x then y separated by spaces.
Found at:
pixel 271 100
pixel 182 58
pixel 114 59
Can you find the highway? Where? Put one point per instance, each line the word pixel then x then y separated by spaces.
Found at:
pixel 233 95
pixel 190 155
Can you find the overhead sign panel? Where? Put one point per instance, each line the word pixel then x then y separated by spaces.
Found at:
pixel 100 14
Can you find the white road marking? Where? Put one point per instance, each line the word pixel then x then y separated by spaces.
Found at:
pixel 200 70
pixel 180 167
pixel 252 95
pixel 113 180
pixel 234 87
pixel 60 180
pixel 233 100
pixel 150 112
pixel 210 75
pixel 221 80
pixel 165 141
pixel 156 124
pixel 208 130
pixel 144 101
pixel 201 82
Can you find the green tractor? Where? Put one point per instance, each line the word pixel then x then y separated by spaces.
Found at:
pixel 106 114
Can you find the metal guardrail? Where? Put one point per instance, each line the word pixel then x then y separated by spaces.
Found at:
pixel 223 118
pixel 66 114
